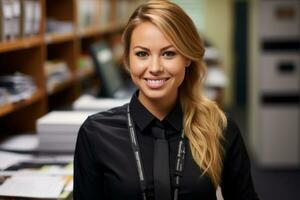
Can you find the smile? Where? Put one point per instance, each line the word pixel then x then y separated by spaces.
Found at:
pixel 156 83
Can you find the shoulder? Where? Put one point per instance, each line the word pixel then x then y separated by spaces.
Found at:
pixel 232 134
pixel 232 129
pixel 102 131
pixel 106 120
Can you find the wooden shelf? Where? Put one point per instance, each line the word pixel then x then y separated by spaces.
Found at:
pixel 28 55
pixel 54 38
pixel 18 44
pixel 11 107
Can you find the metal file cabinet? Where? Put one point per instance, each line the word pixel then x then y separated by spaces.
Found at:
pixel 277 89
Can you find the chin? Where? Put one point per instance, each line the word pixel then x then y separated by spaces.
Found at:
pixel 155 94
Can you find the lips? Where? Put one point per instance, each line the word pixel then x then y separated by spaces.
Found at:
pixel 156 83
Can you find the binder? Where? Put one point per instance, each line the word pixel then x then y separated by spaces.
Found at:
pixel 27 16
pixel 37 17
pixel 104 12
pixel 16 16
pixel 2 22
pixel 6 13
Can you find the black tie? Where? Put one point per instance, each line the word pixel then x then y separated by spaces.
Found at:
pixel 161 172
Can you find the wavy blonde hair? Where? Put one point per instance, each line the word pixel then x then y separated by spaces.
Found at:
pixel 203 121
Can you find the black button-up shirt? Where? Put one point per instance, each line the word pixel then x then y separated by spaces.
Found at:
pixel 105 167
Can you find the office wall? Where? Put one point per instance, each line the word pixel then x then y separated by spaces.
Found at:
pixel 194 8
pixel 218 26
pixel 214 18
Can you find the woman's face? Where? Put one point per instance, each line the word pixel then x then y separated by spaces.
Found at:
pixel 156 67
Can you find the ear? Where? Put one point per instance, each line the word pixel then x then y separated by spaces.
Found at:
pixel 188 63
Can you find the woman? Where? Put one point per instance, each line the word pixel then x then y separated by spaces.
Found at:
pixel 169 142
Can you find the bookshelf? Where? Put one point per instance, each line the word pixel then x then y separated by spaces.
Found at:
pixel 28 54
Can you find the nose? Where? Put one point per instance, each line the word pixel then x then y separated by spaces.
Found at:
pixel 155 65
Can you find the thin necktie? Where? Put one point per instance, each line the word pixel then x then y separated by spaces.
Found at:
pixel 162 188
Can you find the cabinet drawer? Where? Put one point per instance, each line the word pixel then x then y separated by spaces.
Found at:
pixel 279 19
pixel 280 136
pixel 280 72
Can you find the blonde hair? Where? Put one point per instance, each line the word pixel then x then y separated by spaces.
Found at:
pixel 203 121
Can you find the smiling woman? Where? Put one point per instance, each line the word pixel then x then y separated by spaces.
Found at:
pixel 169 142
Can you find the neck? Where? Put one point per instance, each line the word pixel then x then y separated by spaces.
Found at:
pixel 158 107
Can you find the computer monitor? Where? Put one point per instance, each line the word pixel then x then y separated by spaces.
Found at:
pixel 113 83
pixel 110 75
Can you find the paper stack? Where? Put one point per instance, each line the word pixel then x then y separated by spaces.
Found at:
pixel 42 177
pixel 57 131
pixel 90 103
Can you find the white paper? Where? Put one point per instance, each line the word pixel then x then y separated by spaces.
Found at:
pixel 8 159
pixel 24 142
pixel 69 186
pixel 64 118
pixel 34 187
pixel 90 103
pixel 34 173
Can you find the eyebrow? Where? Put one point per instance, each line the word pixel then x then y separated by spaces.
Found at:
pixel 146 49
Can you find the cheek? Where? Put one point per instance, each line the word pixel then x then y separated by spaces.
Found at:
pixel 137 67
pixel 175 67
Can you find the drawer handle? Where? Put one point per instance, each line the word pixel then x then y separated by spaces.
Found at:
pixel 286 67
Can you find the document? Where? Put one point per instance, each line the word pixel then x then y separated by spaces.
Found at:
pixel 8 159
pixel 33 187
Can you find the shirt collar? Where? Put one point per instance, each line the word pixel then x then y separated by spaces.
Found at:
pixel 142 117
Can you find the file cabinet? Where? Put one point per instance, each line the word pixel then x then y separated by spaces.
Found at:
pixel 280 72
pixel 275 91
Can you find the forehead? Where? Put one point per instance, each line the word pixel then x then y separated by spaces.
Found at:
pixel 148 35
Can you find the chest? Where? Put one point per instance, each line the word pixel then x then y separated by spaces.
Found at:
pixel 121 174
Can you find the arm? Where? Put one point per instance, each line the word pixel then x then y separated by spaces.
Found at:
pixel 236 176
pixel 88 179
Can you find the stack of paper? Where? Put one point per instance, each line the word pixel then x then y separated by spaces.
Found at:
pixel 46 182
pixel 57 131
pixel 27 142
pixel 56 72
pixel 18 86
pixel 8 159
pixel 90 103
pixel 34 187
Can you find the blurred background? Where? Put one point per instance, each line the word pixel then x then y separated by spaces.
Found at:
pixel 61 60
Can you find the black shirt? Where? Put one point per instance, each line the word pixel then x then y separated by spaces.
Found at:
pixel 105 167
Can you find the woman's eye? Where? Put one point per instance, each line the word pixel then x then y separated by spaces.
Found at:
pixel 169 54
pixel 141 54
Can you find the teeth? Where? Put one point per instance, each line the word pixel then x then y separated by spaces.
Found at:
pixel 156 81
